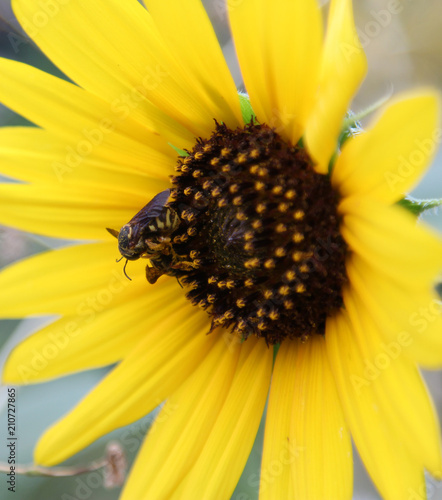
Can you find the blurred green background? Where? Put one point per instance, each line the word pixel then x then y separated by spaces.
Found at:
pixel 403 42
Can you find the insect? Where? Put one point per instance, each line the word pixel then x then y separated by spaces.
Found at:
pixel 148 234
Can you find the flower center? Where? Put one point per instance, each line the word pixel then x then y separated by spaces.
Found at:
pixel 258 244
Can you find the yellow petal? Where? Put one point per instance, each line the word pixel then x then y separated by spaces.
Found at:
pixel 278 447
pixel 169 353
pixel 394 470
pixel 342 69
pixel 299 443
pixel 34 155
pixel 84 121
pixel 216 471
pixel 79 342
pixel 126 62
pixel 410 317
pixel 184 424
pixel 388 159
pixel 193 42
pixel 79 280
pixel 391 241
pixel 278 45
pixel 397 385
pixel 324 446
pixel 67 213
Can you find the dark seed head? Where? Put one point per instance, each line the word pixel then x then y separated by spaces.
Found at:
pixel 261 228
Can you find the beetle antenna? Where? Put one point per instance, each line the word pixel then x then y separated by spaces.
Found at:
pixel 118 260
pixel 124 270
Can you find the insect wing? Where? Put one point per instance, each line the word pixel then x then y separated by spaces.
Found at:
pixel 151 211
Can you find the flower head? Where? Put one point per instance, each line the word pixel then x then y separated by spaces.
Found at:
pixel 252 208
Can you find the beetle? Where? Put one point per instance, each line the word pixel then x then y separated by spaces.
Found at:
pixel 147 235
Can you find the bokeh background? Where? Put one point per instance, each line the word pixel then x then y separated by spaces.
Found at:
pixel 403 42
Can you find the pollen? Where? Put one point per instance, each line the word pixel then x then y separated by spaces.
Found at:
pixel 241 158
pixel 297 237
pixel 269 264
pixel 299 215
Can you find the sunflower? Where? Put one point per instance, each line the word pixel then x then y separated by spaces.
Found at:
pixel 281 268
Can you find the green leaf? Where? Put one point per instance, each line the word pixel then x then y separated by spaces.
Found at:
pixel 181 152
pixel 246 109
pixel 418 207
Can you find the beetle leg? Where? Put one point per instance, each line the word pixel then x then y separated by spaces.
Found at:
pixel 152 274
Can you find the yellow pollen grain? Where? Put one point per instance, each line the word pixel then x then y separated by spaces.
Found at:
pixel 187 160
pixel 259 185
pixel 197 263
pixel 207 148
pixel 262 172
pixel 191 231
pixel 207 185
pixel 290 275
pixel 297 237
pixel 216 192
pixel 197 173
pixel 269 264
pixel 211 298
pixel 241 325
pixel 297 256
pixel 277 190
pixel 241 303
pixel 284 290
pixel 178 167
pixel 304 268
pixel 229 314
pixel 226 168
pixel 280 252
pixel 254 169
pixel 240 215
pixel 248 235
pixel 288 304
pixel 248 283
pixel 252 263
pixel 237 200
pixel 230 284
pixel 260 313
pixel 222 202
pixel 193 254
pixel 185 169
pixel 234 188
pixel 188 191
pixel 290 194
pixel 214 161
pixel 254 153
pixel 273 315
pixel 202 303
pixel 262 325
pixel 283 207
pixel 256 224
pixel 299 214
pixel 248 247
pixel 199 156
pixel 268 294
pixel 281 228
pixel 211 280
pixel 198 195
pixel 241 158
pixel 221 284
pixel 300 288
pixel 225 152
pixel 260 208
